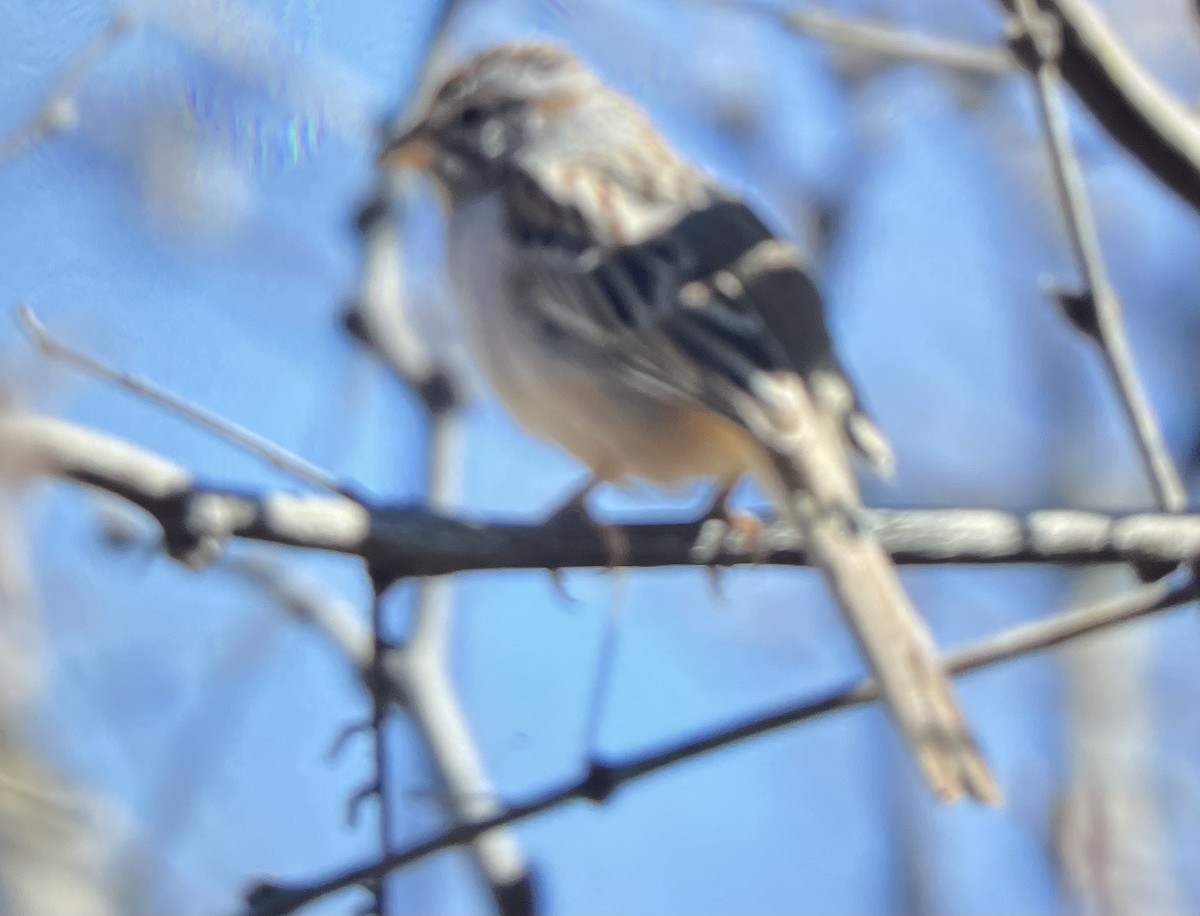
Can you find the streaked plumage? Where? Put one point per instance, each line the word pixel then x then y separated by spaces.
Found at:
pixel 626 307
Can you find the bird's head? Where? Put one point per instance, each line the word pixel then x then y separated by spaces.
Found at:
pixel 489 111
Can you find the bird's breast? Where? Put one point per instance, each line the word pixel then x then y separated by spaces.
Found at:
pixel 580 404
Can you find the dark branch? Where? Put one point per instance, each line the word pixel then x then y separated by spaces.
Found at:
pixel 603 778
pixel 412 541
pixel 1130 104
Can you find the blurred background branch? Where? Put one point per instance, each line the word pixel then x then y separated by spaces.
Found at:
pixel 1123 96
pixel 381 319
pixel 878 38
pixel 59 112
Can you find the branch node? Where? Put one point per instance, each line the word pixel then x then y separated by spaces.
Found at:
pixel 1079 308
pixel 518 897
pixel 180 542
pixel 267 897
pixel 439 392
pixel 338 746
pixel 356 802
pixel 353 324
pixel 374 210
pixel 601 781
pixel 1034 38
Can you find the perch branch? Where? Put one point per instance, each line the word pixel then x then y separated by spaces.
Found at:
pixel 411 541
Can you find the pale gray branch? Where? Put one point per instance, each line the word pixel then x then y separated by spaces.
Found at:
pixel 882 39
pixel 244 439
pixel 1121 94
pixel 414 541
pixel 1095 309
pixel 58 111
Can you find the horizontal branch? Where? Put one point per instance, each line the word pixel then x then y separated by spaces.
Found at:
pixel 412 541
pixel 603 778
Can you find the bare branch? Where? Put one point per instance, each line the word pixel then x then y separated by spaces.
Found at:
pixel 410 541
pixel 58 112
pixel 889 41
pixel 1131 105
pixel 882 39
pixel 411 679
pixel 381 319
pixel 1095 310
pixel 274 455
pixel 604 778
pixel 307 600
pixel 376 681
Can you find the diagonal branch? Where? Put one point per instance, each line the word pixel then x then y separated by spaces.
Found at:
pixel 244 439
pixel 1095 310
pixel 1127 101
pixel 58 112
pixel 603 778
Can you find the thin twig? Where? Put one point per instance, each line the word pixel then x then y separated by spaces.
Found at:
pixel 882 39
pixel 603 778
pixel 606 663
pixel 382 781
pixel 276 456
pixel 58 112
pixel 1095 309
pixel 308 600
pixel 889 41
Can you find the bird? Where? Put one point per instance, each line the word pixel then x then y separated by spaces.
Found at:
pixel 626 306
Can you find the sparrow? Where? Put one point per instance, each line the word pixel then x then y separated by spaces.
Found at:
pixel 628 308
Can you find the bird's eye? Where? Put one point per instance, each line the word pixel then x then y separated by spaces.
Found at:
pixel 471 116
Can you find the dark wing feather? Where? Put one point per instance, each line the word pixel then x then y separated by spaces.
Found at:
pixel 770 312
pixel 701 310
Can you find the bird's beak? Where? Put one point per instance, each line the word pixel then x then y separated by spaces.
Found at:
pixel 413 149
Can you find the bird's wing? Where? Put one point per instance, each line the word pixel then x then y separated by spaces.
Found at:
pixel 704 304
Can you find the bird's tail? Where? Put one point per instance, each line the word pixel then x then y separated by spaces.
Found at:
pixel 809 479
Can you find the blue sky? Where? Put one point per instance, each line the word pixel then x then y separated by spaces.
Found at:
pixel 196 228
